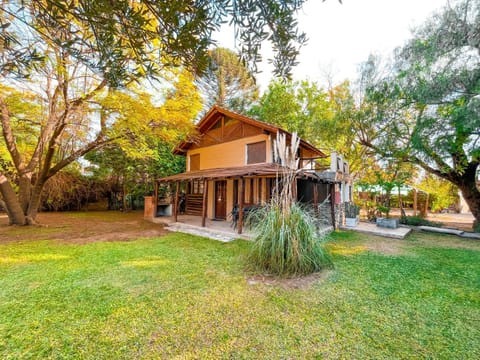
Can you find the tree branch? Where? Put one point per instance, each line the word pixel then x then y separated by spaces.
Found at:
pixel 97 143
pixel 9 137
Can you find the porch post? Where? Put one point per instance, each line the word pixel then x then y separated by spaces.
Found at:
pixel 332 204
pixel 175 204
pixel 204 202
pixel 241 196
pixel 315 199
pixel 155 199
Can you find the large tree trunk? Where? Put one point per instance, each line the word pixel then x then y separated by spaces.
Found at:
pixel 13 206
pixel 24 191
pixel 472 198
pixel 34 204
pixel 21 208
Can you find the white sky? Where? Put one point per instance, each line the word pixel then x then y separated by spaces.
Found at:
pixel 343 35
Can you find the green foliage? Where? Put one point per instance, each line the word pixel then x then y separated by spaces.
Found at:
pixel 418 221
pixel 476 228
pixel 227 82
pixel 287 244
pixel 443 194
pixel 351 210
pixel 425 110
pixel 128 40
pixel 295 106
pixel 321 117
pixel 131 175
pixel 383 209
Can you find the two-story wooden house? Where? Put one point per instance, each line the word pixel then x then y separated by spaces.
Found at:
pixel 232 166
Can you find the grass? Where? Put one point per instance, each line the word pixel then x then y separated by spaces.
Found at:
pixel 287 244
pixel 180 296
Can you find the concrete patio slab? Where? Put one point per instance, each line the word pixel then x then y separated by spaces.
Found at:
pixel 214 229
pixel 373 229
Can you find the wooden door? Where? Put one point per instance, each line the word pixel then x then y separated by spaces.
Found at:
pixel 221 199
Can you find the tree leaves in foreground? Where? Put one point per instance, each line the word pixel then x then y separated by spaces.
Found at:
pixel 131 39
pixel 427 111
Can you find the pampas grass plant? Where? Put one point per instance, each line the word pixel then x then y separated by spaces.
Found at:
pixel 286 241
pixel 287 244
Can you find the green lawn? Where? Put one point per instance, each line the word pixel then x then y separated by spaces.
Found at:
pixel 180 296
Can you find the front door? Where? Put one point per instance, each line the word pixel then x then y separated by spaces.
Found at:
pixel 221 199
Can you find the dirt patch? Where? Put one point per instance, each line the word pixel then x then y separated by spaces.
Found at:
pixel 371 243
pixel 300 282
pixel 83 227
pixel 390 247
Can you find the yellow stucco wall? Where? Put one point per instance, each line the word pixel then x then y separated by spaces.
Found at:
pixel 229 197
pixel 228 154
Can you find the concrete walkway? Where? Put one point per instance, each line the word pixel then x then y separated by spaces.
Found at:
pixel 214 229
pixel 461 233
pixel 191 224
pixel 211 233
pixel 373 229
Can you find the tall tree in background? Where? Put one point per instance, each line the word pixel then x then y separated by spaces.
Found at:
pixel 321 117
pixel 76 54
pixel 227 82
pixel 427 111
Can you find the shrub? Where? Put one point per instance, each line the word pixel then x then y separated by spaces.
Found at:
pixel 418 221
pixel 351 210
pixel 476 227
pixel 287 243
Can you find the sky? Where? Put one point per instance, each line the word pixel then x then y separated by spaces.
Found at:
pixel 341 36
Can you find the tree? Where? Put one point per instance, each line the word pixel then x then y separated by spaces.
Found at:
pixel 321 117
pixel 134 38
pixel 227 82
pixel 70 59
pixel 134 176
pixel 444 193
pixel 427 111
pixel 41 143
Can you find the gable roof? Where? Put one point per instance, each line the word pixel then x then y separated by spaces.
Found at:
pixel 211 117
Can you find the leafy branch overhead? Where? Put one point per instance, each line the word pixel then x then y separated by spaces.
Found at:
pixel 131 39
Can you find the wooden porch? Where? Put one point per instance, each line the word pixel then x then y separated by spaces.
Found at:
pixel 250 186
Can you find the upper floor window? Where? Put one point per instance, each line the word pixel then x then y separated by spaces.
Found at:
pixel 194 162
pixel 257 152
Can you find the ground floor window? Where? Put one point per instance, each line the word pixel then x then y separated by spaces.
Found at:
pixel 195 187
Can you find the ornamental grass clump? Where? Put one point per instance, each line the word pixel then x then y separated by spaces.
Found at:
pixel 286 241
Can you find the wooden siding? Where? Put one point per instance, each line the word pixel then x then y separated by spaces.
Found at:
pixel 229 154
pixel 225 130
pixel 193 204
